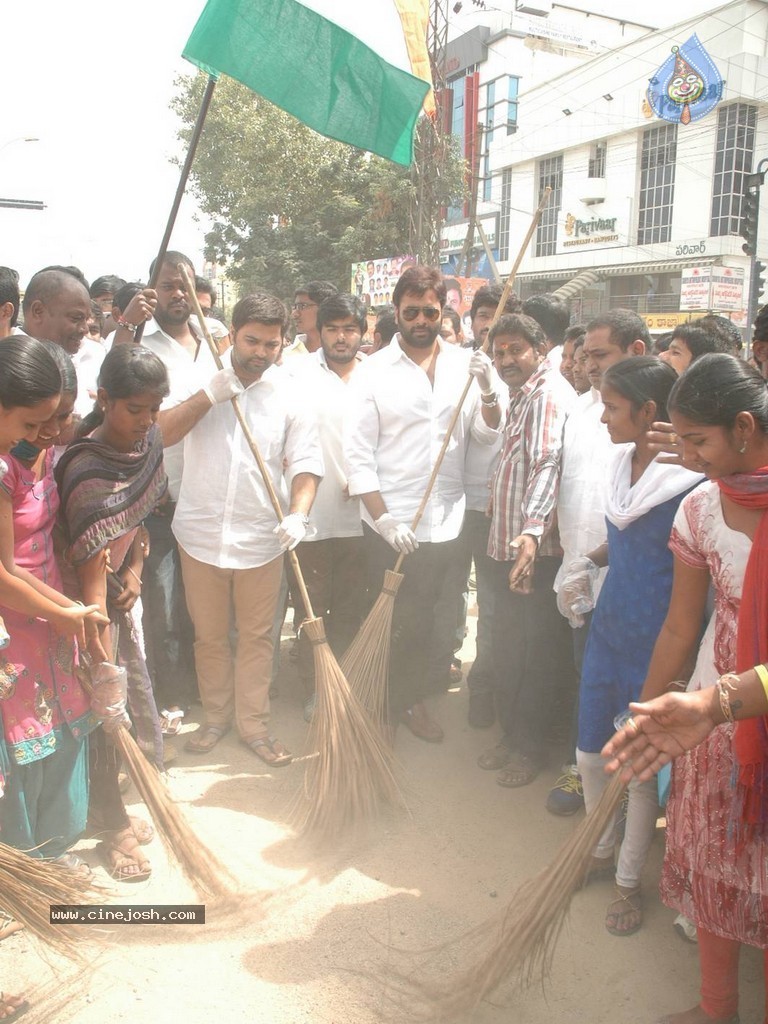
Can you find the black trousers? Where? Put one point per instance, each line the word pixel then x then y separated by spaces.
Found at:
pixel 419 658
pixel 532 650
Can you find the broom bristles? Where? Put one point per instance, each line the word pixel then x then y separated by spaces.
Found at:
pixel 352 777
pixel 28 888
pixel 525 934
pixel 365 663
pixel 197 861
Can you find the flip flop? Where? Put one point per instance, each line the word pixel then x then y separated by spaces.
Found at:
pixel 264 744
pixel 120 847
pixel 205 739
pixel 171 721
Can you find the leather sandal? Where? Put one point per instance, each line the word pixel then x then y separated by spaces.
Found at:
pixel 205 739
pixel 520 771
pixel 625 905
pixel 270 750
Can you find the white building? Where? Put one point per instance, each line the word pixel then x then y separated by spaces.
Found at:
pixel 638 203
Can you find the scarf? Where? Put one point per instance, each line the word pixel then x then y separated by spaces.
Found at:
pixel 105 493
pixel 750 738
pixel 625 503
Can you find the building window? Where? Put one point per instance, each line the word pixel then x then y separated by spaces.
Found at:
pixel 505 213
pixel 550 173
pixel 512 104
pixel 657 184
pixel 733 159
pixel 597 160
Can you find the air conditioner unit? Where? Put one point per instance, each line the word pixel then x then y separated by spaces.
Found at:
pixel 541 8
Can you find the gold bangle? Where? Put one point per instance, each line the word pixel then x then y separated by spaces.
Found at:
pixel 762 674
pixel 724 684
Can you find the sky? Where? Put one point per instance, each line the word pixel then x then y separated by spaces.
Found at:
pixel 92 82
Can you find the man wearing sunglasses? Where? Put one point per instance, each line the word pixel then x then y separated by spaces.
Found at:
pixel 404 402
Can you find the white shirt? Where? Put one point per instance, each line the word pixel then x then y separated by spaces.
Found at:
pixel 482 459
pixel 87 360
pixel 566 394
pixel 329 398
pixel 187 373
pixel 396 428
pixel 587 452
pixel 224 516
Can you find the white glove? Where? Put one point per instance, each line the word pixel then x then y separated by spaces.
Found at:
pixel 108 700
pixel 291 530
pixel 398 535
pixel 223 386
pixel 481 368
pixel 576 596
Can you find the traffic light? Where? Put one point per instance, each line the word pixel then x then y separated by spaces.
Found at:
pixel 750 209
pixel 758 281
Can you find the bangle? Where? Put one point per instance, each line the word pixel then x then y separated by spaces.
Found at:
pixel 724 684
pixel 490 401
pixel 762 674
pixel 122 322
pixel 137 578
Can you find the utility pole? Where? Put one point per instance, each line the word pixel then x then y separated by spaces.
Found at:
pixel 431 148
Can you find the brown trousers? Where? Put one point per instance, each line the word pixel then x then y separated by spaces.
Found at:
pixel 233 687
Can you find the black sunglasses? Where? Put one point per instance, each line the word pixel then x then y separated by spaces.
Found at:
pixel 430 313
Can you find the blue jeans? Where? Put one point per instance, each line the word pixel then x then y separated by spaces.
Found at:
pixel 168 633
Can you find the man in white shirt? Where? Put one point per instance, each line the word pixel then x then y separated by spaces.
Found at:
pixel 230 546
pixel 306 303
pixel 332 555
pixel 57 307
pixel 405 396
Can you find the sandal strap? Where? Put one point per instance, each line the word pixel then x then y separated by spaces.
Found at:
pixel 171 716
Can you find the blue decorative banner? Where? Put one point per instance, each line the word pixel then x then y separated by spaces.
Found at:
pixel 687 86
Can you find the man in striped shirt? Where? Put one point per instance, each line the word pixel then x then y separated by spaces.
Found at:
pixel 530 638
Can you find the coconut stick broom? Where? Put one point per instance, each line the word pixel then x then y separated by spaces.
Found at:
pixel 366 661
pixel 197 861
pixel 521 941
pixel 352 777
pixel 30 886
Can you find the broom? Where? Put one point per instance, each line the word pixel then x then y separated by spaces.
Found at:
pixel 29 886
pixel 353 775
pixel 198 863
pixel 525 934
pixel 366 661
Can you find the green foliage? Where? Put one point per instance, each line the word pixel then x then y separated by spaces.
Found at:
pixel 287 204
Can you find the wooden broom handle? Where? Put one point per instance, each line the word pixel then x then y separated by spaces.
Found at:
pixel 457 411
pixel 249 438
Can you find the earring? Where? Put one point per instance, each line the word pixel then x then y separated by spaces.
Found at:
pixel 743 448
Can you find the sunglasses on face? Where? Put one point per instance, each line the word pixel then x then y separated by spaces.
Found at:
pixel 431 313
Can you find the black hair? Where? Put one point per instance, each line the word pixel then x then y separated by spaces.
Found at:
pixel 108 284
pixel 575 333
pixel 75 272
pixel 65 366
pixel 716 388
pixel 490 295
pixel 701 338
pixel 261 309
pixel 452 284
pixel 9 291
pixel 449 313
pixel 624 326
pixel 728 334
pixel 127 370
pixel 386 325
pixel 202 284
pixel 28 373
pixel 418 280
pixel 761 325
pixel 172 258
pixel 518 325
pixel 47 283
pixel 551 313
pixel 124 294
pixel 340 307
pixel 662 343
pixel 578 341
pixel 97 314
pixel 640 380
pixel 318 291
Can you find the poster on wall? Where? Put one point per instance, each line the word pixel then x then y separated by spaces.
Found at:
pixel 373 281
pixel 687 86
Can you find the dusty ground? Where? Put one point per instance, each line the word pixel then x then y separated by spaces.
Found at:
pixel 315 946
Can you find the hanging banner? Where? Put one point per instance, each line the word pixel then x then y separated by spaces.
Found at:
pixel 687 86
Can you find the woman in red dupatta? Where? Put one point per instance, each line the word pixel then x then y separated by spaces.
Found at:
pixel 716 863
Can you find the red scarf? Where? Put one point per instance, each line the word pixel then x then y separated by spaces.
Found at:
pixel 750 744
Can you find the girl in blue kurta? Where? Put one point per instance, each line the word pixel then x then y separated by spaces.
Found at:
pixel 642 497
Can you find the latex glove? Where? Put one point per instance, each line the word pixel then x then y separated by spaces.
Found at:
pixel 481 368
pixel 397 535
pixel 223 385
pixel 108 700
pixel 291 530
pixel 576 596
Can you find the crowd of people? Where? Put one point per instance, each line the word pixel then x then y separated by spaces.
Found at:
pixel 605 493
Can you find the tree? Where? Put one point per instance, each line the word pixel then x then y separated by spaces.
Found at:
pixel 287 204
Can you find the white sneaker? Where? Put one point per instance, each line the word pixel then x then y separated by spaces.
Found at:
pixel 685 929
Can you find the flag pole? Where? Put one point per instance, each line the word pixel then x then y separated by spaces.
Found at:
pixel 180 189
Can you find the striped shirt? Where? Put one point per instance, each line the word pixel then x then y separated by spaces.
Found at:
pixel 524 487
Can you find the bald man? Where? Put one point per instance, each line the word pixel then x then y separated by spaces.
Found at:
pixel 56 308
